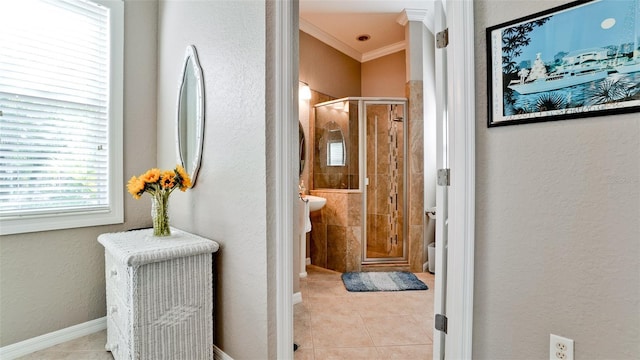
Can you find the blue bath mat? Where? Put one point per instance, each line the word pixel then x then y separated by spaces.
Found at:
pixel 382 281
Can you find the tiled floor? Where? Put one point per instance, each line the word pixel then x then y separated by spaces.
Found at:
pixel 332 323
pixel 90 347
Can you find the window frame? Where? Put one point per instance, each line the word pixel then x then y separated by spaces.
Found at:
pixel 67 219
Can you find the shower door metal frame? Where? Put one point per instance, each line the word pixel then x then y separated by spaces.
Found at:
pixel 364 180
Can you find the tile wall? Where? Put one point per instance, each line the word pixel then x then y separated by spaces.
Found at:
pixel 385 170
pixel 415 195
pixel 336 236
pixel 336 231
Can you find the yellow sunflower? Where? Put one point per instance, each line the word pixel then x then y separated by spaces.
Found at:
pixel 135 187
pixel 186 179
pixel 151 176
pixel 167 180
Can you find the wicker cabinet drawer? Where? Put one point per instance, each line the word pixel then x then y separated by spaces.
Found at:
pixel 118 278
pixel 117 343
pixel 119 314
pixel 159 295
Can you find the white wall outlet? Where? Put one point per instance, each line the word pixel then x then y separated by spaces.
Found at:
pixel 560 348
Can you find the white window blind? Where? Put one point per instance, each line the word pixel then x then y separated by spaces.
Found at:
pixel 335 153
pixel 55 100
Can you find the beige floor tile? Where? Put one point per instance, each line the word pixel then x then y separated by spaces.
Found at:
pixel 345 325
pixel 363 353
pixel 408 352
pixel 90 347
pixel 303 285
pixel 68 355
pixel 301 309
pixel 315 273
pixel 330 323
pixel 387 303
pixel 304 354
pixel 326 289
pixel 397 330
pixel 425 318
pixel 302 327
pixel 95 341
pixel 426 278
pixel 337 305
pixel 339 331
pixel 413 302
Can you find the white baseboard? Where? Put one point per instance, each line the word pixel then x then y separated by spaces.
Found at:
pixel 307 261
pixel 45 341
pixel 42 342
pixel 219 354
pixel 297 298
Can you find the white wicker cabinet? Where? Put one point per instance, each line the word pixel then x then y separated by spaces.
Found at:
pixel 159 295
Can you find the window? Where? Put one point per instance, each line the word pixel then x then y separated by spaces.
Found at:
pixel 335 153
pixel 335 148
pixel 61 114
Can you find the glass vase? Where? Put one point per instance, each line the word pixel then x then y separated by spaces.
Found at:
pixel 160 214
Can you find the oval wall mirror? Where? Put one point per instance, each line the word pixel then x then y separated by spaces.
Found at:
pixel 302 148
pixel 336 149
pixel 190 120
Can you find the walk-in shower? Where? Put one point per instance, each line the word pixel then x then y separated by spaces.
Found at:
pixel 359 162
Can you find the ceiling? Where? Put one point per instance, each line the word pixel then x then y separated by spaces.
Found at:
pixel 339 23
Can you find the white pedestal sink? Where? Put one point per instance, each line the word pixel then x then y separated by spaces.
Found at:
pixel 315 203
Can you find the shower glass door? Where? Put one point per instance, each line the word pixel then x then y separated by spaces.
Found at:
pixel 385 180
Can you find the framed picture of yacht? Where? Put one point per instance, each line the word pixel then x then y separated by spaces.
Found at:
pixel 578 60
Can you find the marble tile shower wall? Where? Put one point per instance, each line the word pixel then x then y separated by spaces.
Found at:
pixel 336 236
pixel 327 118
pixel 336 233
pixel 415 160
pixel 385 202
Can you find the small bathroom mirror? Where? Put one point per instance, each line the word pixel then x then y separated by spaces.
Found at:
pixel 190 120
pixel 302 148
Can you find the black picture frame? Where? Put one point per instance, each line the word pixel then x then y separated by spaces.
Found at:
pixel 586 63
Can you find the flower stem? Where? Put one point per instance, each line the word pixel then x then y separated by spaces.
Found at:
pixel 160 213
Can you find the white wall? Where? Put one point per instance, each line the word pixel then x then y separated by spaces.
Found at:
pixel 557 226
pixel 228 202
pixel 55 279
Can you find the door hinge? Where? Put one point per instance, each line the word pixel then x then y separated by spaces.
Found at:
pixel 444 177
pixel 442 39
pixel 441 323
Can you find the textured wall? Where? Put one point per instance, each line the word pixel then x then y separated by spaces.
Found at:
pixel 557 245
pixel 228 203
pixel 55 279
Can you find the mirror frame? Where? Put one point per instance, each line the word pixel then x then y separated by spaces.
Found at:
pixel 191 59
pixel 302 149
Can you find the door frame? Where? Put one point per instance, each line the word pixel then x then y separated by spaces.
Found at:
pixel 461 225
pixel 461 88
pixel 364 184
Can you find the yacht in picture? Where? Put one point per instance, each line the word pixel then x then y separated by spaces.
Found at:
pixel 631 65
pixel 577 68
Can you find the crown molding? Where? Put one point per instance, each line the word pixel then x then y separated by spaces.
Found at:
pixel 424 16
pixel 384 51
pixel 321 35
